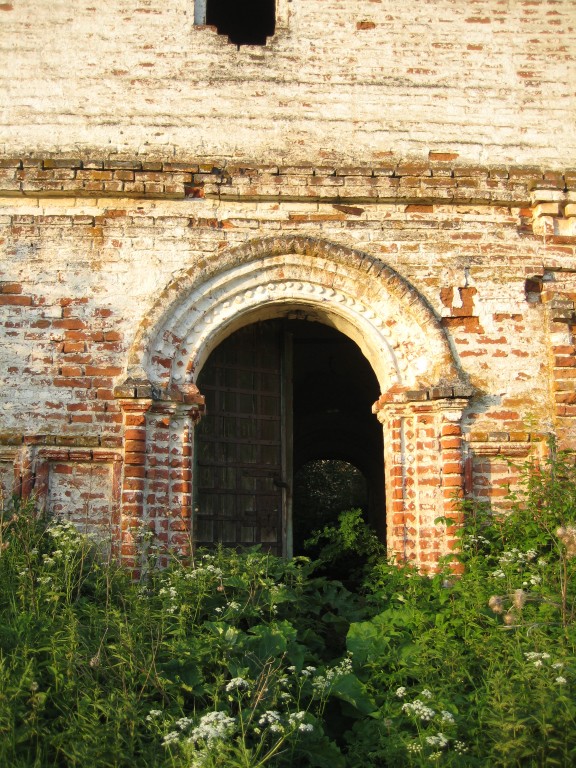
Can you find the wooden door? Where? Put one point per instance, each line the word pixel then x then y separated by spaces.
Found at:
pixel 241 453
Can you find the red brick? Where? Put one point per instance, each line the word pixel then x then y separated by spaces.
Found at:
pixel 106 370
pixel 11 288
pixel 15 300
pixel 80 382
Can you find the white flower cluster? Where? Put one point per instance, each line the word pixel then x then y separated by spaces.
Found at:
pixel 275 723
pixel 206 569
pixel 305 727
pixel 418 709
pixel 437 740
pixel 521 560
pixel 474 540
pixel 213 727
pixel 230 607
pixel 533 581
pixel 272 720
pixel 414 747
pixel 515 556
pixel 323 683
pixel 237 683
pixel 538 660
pixel 172 594
pixel 65 536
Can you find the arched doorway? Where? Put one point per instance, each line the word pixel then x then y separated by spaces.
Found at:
pixel 279 394
pixel 422 390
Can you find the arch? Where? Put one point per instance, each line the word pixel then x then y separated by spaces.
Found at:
pixel 423 391
pixel 356 293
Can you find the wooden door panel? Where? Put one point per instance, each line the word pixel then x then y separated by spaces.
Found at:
pixel 238 442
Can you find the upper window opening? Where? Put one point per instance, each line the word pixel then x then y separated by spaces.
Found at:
pixel 248 22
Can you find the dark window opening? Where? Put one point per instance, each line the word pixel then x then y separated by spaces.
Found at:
pixel 246 23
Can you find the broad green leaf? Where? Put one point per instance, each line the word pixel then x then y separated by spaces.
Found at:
pixel 350 689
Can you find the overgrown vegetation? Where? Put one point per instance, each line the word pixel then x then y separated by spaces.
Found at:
pixel 249 660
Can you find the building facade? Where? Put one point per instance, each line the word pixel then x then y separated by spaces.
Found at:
pixel 232 244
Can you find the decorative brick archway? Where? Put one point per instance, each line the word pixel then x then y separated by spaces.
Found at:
pixel 423 390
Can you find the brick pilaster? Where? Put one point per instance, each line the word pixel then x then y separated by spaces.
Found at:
pixel 424 476
pixel 134 476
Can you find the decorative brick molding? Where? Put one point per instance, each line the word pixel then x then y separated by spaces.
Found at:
pixel 420 183
pixel 391 322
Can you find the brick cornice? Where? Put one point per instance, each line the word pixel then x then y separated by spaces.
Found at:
pixel 418 183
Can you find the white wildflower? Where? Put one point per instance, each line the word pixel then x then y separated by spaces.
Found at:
pixel 183 723
pixel 269 717
pixel 215 726
pixel 401 692
pixel 419 709
pixel 426 693
pixel 170 738
pixel 237 683
pixel 560 680
pixel 439 740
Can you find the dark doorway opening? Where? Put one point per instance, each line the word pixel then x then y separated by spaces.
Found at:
pixel 334 388
pixel 246 23
pixel 323 488
pixel 285 398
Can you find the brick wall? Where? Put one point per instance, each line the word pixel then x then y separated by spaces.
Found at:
pixel 486 80
pixel 425 154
